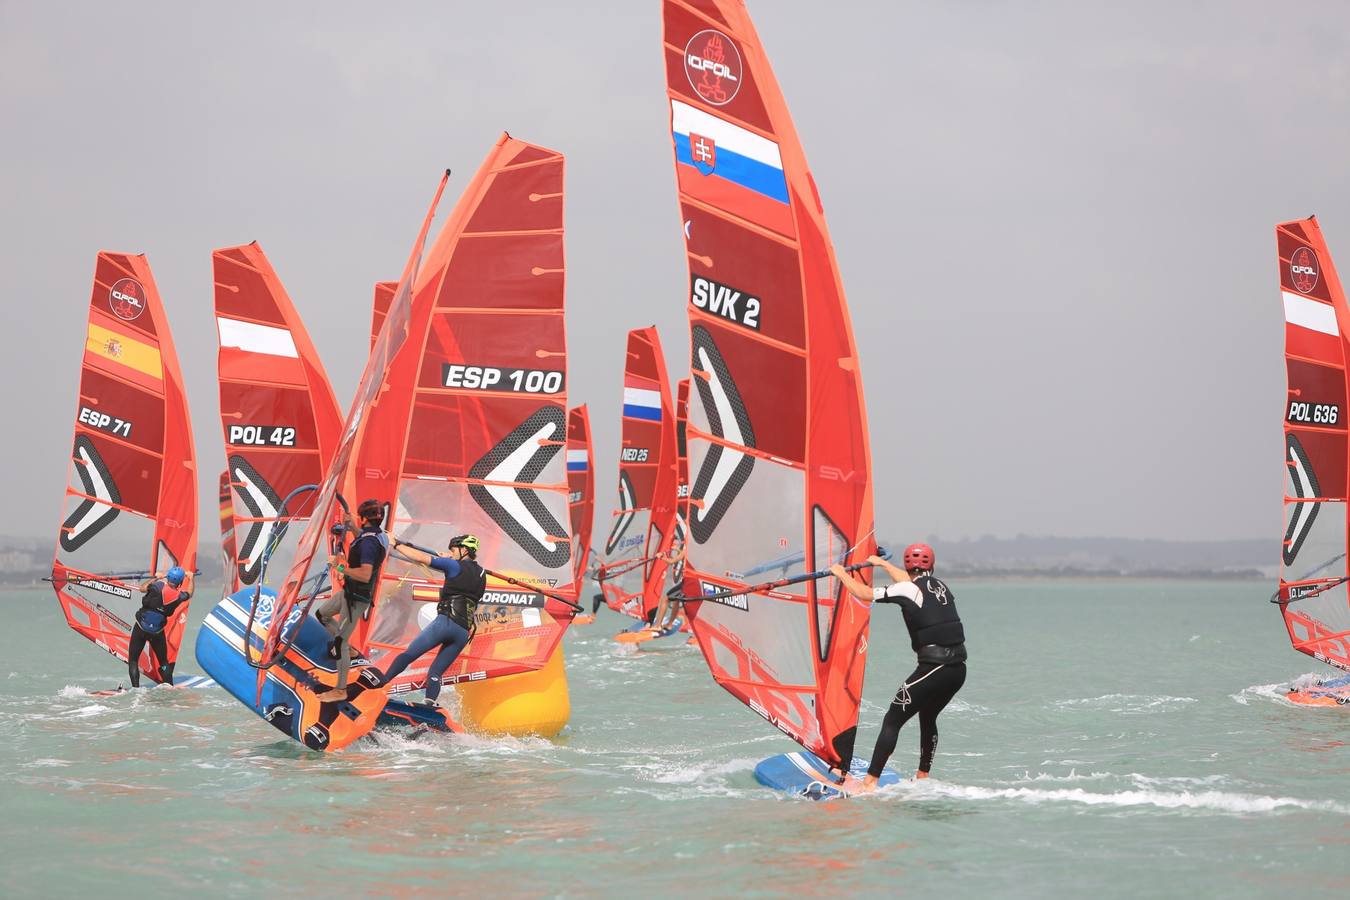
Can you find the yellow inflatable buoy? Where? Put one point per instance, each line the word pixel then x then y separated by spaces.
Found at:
pixel 530 703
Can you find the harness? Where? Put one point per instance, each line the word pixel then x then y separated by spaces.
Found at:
pixel 460 595
pixel 354 590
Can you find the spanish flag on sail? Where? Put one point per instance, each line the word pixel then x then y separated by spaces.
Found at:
pixel 118 353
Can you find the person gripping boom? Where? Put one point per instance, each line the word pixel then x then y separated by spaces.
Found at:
pixel 161 597
pixel 361 573
pixel 452 629
pixel 938 639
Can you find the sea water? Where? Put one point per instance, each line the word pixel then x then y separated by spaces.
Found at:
pixel 1113 739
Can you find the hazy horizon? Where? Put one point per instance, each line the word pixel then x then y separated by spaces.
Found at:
pixel 1054 222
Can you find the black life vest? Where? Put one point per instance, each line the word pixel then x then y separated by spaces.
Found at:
pixel 362 591
pixel 460 594
pixel 935 621
pixel 151 616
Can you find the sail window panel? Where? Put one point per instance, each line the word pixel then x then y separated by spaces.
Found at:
pixel 767 643
pixel 1317 534
pixel 626 540
pixel 132 474
pixel 743 529
pixel 830 547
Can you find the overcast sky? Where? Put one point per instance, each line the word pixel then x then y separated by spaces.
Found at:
pixel 1055 221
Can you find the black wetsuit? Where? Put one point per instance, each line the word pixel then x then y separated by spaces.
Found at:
pixel 935 632
pixel 151 621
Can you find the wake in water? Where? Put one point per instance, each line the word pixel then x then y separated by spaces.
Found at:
pixel 1206 801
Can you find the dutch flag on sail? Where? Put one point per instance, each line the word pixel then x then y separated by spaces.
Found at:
pixel 641 398
pixel 576 460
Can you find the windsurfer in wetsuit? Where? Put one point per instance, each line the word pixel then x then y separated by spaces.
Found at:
pixel 671 606
pixel 935 632
pixel 452 629
pixel 361 573
pixel 161 598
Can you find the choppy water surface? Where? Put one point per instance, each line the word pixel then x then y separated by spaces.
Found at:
pixel 1113 738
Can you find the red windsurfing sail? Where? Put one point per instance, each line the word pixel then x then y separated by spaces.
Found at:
pixel 777 431
pixel 1314 567
pixel 277 411
pixel 131 499
pixel 581 489
pixel 384 295
pixel 227 548
pixel 308 579
pixel 470 433
pixel 644 518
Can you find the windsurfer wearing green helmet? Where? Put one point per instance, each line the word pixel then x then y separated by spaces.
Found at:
pixel 161 597
pixel 452 629
pixel 360 574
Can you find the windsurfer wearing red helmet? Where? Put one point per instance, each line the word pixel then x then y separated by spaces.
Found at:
pixel 935 632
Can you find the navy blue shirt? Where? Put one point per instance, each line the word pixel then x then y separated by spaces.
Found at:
pixel 445 565
pixel 368 549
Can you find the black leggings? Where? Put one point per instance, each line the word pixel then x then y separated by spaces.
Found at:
pixel 159 649
pixel 925 692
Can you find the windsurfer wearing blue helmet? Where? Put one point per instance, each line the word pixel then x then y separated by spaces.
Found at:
pixel 938 639
pixel 360 572
pixel 452 629
pixel 161 596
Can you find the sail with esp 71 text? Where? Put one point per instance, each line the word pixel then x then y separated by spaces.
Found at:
pixel 779 464
pixel 278 414
pixel 1314 568
pixel 130 506
pixel 470 433
pixel 643 520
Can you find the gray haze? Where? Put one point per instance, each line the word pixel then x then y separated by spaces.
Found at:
pixel 1054 220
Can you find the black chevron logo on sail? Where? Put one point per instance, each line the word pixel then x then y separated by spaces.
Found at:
pixel 724 471
pixel 262 502
pixel 518 460
pixel 90 516
pixel 1304 482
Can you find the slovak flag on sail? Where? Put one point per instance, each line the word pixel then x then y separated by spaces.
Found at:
pixel 641 398
pixel 731 167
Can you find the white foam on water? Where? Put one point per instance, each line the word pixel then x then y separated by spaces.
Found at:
pixel 1126 703
pixel 690 774
pixel 1279 691
pixel 1071 776
pixel 1208 801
